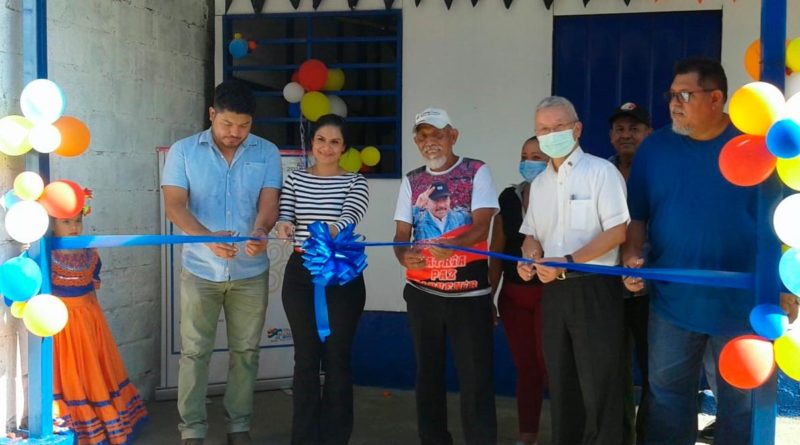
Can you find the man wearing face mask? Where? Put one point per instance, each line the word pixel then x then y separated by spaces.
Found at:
pixel 447 292
pixel 577 213
pixel 519 301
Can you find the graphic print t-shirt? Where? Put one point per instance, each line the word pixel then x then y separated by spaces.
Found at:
pixel 469 186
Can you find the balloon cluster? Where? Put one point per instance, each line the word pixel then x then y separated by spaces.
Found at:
pixel 771 142
pixel 239 47
pixel 353 160
pixel 748 361
pixel 42 126
pixel 30 203
pixel 312 77
pixel 28 208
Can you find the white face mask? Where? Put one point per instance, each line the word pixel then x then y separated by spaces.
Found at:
pixel 558 143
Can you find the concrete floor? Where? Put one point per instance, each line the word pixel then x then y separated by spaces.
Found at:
pixel 382 417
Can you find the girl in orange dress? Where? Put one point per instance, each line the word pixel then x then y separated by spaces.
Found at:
pixel 91 390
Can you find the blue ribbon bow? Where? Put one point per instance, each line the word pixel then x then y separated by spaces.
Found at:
pixel 331 262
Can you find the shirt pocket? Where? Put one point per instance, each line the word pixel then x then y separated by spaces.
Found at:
pixel 581 214
pixel 252 179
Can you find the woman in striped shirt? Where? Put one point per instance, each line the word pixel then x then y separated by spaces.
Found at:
pixel 323 192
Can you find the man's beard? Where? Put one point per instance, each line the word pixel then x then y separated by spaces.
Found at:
pixel 683 131
pixel 435 163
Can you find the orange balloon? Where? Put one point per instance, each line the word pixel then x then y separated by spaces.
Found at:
pixel 752 59
pixel 62 199
pixel 75 136
pixel 746 362
pixel 745 160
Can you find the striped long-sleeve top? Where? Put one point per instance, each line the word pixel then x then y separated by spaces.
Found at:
pixel 339 200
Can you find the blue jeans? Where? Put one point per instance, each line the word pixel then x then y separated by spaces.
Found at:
pixel 676 360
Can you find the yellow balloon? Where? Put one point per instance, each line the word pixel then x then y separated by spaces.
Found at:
pixel 350 160
pixel 755 107
pixel 17 309
pixel 789 172
pixel 787 353
pixel 45 315
pixel 370 156
pixel 314 105
pixel 14 135
pixel 28 186
pixel 784 248
pixel 793 55
pixel 335 80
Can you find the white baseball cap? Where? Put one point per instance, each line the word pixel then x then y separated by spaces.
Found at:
pixel 432 116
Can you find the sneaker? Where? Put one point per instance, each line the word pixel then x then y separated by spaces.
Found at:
pixel 707 432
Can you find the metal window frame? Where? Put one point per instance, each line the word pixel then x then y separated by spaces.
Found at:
pixel 228 69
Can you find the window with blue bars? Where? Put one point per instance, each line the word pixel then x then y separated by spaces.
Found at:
pixel 365 45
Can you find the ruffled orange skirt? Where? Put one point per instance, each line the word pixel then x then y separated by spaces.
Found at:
pixel 91 390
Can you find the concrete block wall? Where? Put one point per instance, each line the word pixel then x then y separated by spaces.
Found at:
pixel 11 394
pixel 139 74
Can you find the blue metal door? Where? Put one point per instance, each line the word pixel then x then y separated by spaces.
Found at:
pixel 601 61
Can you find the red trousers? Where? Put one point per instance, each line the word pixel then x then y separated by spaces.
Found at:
pixel 520 313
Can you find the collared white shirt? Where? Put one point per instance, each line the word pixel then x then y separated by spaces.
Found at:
pixel 570 207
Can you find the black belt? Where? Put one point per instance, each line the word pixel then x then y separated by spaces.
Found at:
pixel 573 274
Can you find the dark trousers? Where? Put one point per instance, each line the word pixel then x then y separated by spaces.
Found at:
pixel 637 310
pixel 582 335
pixel 326 418
pixel 467 323
pixel 521 315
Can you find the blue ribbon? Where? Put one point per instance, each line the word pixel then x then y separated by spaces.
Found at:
pixel 331 262
pixel 84 241
pixel 715 278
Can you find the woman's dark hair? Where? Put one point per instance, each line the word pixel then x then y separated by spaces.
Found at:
pixel 331 120
pixel 233 95
pixel 530 139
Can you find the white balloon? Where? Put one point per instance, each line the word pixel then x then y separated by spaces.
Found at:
pixel 293 92
pixel 27 221
pixel 42 101
pixel 786 220
pixel 793 106
pixel 45 138
pixel 792 86
pixel 338 106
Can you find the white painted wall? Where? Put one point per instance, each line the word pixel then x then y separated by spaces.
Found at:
pixel 137 73
pixel 489 66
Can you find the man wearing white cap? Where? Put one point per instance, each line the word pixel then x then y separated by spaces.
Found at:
pixel 447 292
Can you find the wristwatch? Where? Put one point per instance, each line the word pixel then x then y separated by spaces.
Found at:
pixel 569 258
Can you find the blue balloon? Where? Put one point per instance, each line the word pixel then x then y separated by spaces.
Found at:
pixel 238 48
pixel 9 199
pixel 20 278
pixel 769 321
pixel 294 110
pixel 789 270
pixel 8 302
pixel 783 138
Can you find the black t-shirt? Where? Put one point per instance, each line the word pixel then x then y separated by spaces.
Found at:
pixel 511 211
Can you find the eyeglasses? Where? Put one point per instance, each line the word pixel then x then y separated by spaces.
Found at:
pixel 557 128
pixel 683 96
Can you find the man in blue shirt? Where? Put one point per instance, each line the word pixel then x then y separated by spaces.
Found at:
pixel 222 181
pixel 693 218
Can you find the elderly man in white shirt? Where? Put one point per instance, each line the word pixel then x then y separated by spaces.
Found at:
pixel 579 215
